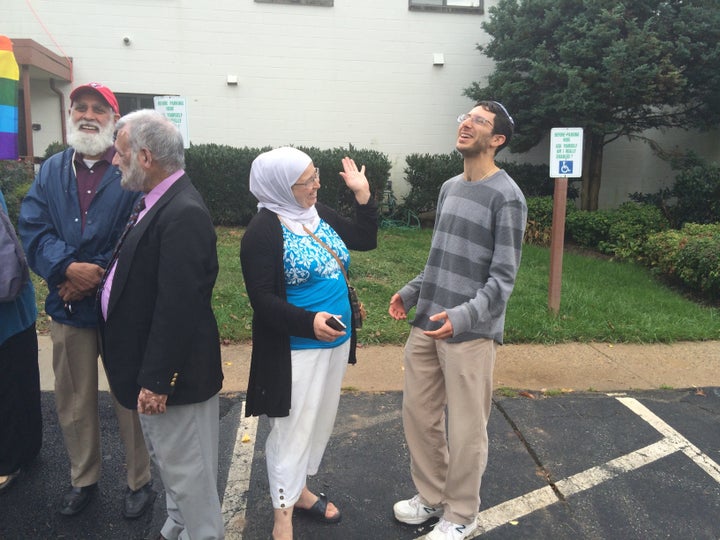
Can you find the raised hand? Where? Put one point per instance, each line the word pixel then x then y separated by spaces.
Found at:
pixel 355 180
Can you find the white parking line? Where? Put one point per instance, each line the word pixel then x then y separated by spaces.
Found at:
pixel 671 442
pixel 541 498
pixel 238 481
pixel 235 497
pixel 681 443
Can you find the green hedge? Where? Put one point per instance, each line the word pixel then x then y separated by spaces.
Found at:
pixel 689 256
pixel 539 221
pixel 15 180
pixel 695 194
pixel 221 174
pixel 619 232
pixel 425 173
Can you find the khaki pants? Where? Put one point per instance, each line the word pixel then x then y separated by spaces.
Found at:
pixel 447 465
pixel 75 363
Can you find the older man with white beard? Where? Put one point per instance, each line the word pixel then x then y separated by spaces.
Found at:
pixel 69 223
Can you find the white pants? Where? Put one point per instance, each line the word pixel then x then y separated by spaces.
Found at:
pixel 296 443
pixel 183 444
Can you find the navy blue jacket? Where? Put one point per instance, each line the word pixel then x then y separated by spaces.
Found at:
pixel 50 228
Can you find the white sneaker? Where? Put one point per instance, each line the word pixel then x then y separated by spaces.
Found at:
pixel 446 530
pixel 415 511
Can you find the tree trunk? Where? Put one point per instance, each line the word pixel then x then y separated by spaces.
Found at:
pixel 592 170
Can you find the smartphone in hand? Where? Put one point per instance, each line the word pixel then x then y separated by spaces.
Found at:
pixel 335 323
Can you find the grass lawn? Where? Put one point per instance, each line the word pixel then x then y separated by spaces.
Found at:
pixel 602 300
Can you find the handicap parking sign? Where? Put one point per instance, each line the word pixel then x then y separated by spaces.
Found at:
pixel 565 168
pixel 566 145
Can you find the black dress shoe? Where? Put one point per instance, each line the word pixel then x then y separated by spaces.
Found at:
pixel 137 502
pixel 75 500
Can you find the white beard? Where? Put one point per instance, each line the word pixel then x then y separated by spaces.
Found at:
pixel 91 144
pixel 134 178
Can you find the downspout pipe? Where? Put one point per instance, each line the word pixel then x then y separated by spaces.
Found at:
pixel 61 96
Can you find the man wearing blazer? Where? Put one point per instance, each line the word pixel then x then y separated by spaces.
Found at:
pixel 160 338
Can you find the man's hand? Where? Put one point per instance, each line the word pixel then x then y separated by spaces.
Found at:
pixel 83 277
pixel 445 331
pixel 150 402
pixel 69 293
pixel 397 308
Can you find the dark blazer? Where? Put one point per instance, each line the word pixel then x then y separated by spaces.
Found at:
pixel 274 319
pixel 160 332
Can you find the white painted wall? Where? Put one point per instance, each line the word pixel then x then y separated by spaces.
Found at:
pixel 360 72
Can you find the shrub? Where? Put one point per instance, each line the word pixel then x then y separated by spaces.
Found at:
pixel 697 191
pixel 695 194
pixel 425 173
pixel 620 232
pixel 222 173
pixel 333 191
pixel 534 180
pixel 54 148
pixel 539 222
pixel 15 180
pixel 689 256
pixel 629 228
pixel 587 229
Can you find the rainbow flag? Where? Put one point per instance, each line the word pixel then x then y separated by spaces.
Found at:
pixel 9 76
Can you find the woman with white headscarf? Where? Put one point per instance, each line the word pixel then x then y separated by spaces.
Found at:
pixel 295 285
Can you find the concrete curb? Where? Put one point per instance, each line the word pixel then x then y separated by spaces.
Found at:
pixel 567 367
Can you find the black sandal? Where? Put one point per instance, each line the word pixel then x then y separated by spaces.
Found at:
pixel 317 511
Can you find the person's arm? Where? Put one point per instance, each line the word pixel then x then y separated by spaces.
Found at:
pixel 48 254
pixel 355 180
pixel 359 234
pixel 261 261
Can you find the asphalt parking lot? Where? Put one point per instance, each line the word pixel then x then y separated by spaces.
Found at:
pixel 640 465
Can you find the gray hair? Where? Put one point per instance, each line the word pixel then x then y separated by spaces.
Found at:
pixel 151 130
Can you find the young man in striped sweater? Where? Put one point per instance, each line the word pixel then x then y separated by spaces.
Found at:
pixel 460 299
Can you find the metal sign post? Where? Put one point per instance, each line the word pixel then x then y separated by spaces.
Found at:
pixel 565 162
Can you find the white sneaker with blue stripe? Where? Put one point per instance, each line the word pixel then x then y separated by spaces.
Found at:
pixel 415 511
pixel 447 530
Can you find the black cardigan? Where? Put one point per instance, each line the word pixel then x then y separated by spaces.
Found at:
pixel 274 319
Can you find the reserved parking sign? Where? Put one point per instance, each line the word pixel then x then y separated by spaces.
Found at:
pixel 566 149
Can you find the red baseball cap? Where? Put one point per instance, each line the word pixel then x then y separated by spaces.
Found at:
pixel 100 89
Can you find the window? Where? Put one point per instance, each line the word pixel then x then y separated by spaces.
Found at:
pixel 133 102
pixel 447 6
pixel 328 3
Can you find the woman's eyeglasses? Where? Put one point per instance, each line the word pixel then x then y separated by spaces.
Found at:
pixel 311 182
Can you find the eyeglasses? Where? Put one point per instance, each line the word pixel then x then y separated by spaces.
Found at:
pixel 311 182
pixel 476 118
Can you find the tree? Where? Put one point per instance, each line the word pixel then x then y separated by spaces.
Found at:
pixel 616 69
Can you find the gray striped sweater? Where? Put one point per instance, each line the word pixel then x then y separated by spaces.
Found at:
pixel 473 260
